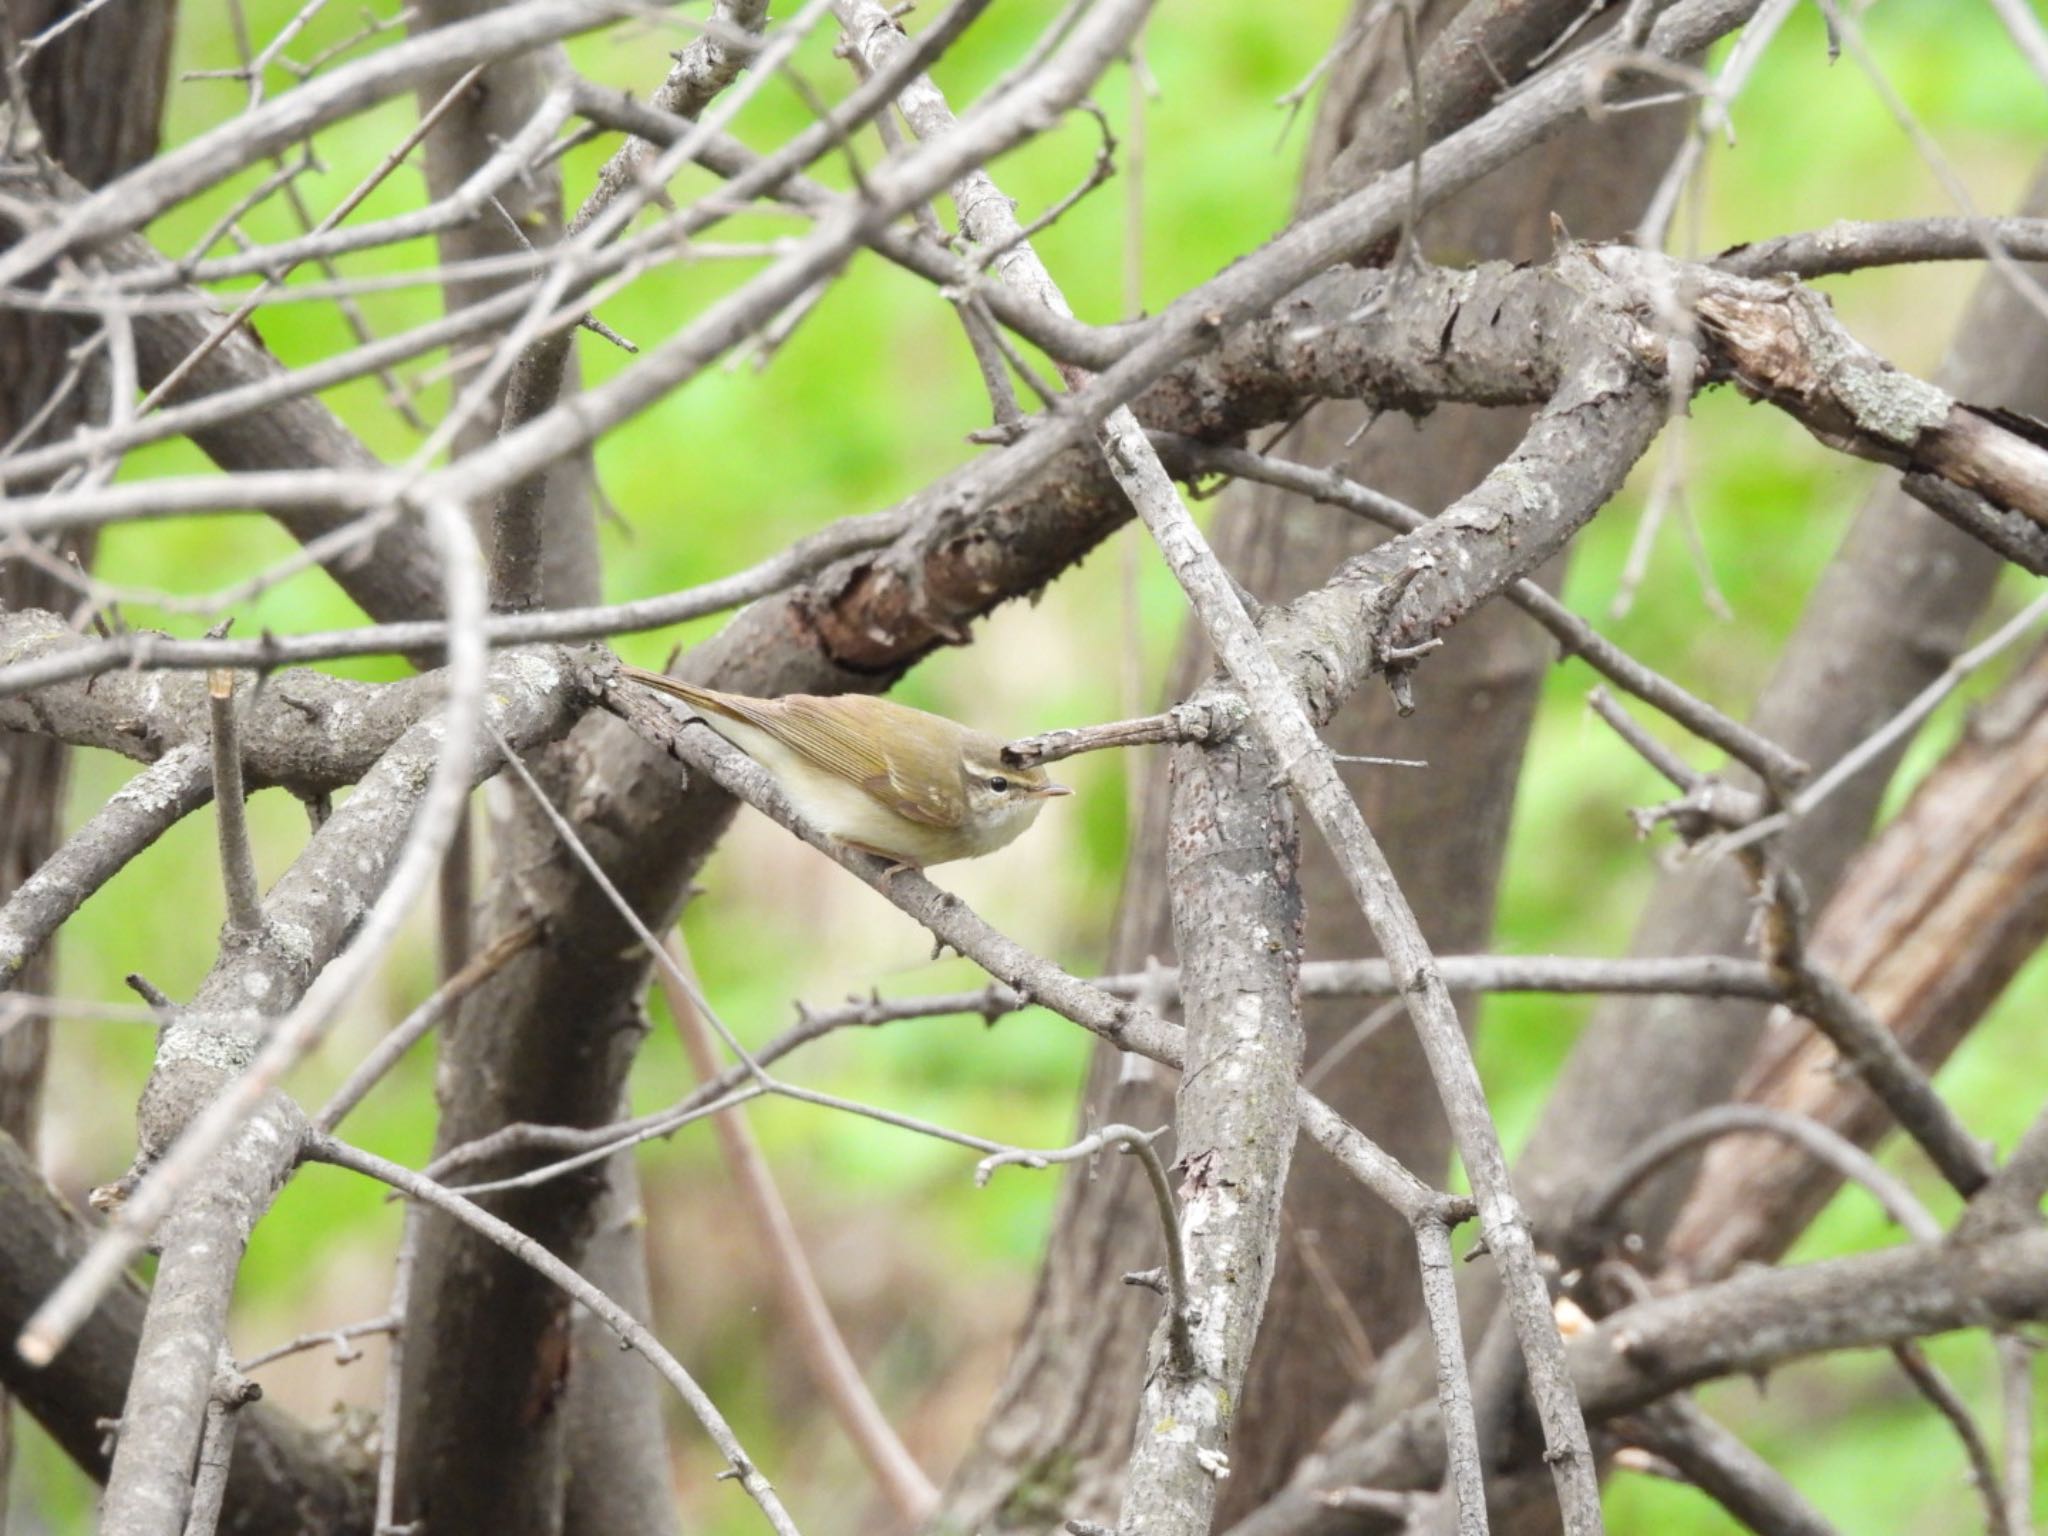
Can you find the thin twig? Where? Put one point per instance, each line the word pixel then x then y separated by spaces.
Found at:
pixel 142 649
pixel 341 1338
pixel 231 1390
pixel 1941 1392
pixel 1845 24
pixel 1574 635
pixel 250 304
pixel 1874 1052
pixel 1874 746
pixel 409 1031
pixel 910 1493
pixel 1101 170
pixel 1690 975
pixel 237 858
pixel 630 1331
pixel 1646 746
pixel 1821 1141
pixel 1198 720
pixel 1180 1328
pixel 390 1424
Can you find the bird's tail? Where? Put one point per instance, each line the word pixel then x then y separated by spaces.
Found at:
pixel 689 693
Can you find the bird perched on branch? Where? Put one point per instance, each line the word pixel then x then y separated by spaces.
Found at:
pixel 914 788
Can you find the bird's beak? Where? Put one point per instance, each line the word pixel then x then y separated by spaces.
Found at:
pixel 1047 791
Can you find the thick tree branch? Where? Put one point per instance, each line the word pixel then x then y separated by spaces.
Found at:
pixel 301 730
pixel 1234 874
pixel 1747 1325
pixel 280 1479
pixel 1784 345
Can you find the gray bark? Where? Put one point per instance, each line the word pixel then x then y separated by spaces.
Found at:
pixel 549 558
pixel 1054 1443
pixel 1749 1324
pixel 282 1480
pixel 1895 604
pixel 618 1453
pixel 490 112
pixel 1233 863
pixel 95 134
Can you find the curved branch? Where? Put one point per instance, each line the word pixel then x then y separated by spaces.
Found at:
pixel 631 1332
pixel 1826 1144
pixel 1746 1325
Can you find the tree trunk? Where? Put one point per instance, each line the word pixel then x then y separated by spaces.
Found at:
pixel 1346 1286
pixel 95 133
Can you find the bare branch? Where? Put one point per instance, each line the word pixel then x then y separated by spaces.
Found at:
pixel 1180 1312
pixel 1195 721
pixel 2016 1380
pixel 1875 1053
pixel 237 858
pixel 1722 1467
pixel 391 1424
pixel 1844 1156
pixel 1879 743
pixel 150 804
pixel 910 1493
pixel 374 820
pixel 1856 403
pixel 340 1338
pixel 274 277
pixel 415 1025
pixel 132 200
pixel 1700 975
pixel 1282 722
pixel 1939 1391
pixel 74 657
pixel 1466 1475
pixel 231 1392
pixel 1574 635
pixel 286 1478
pixel 630 1332
pixel 2013 534
pixel 1748 1324
pixel 1850 245
pixel 1929 924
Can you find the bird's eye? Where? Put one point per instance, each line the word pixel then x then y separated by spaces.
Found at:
pixel 999 784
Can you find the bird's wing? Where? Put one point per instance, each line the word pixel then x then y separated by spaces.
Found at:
pixel 907 802
pixel 897 774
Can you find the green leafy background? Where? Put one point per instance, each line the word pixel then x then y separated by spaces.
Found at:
pixel 870 399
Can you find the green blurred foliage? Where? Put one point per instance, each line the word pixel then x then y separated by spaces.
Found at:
pixel 870 399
